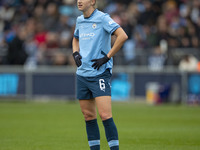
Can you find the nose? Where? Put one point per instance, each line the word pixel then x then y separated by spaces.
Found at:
pixel 79 2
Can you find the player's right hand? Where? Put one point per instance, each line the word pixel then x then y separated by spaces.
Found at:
pixel 77 58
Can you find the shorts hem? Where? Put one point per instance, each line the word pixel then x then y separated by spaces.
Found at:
pixel 93 97
pixel 101 96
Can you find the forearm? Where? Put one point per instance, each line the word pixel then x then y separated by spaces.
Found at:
pixel 75 45
pixel 121 38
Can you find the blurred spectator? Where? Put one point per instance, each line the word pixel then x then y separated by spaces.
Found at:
pixel 188 63
pixel 151 36
pixel 170 10
pixel 195 42
pixel 3 49
pixel 38 13
pixel 59 59
pixel 51 17
pixel 157 59
pixel 149 14
pixel 51 48
pixel 129 52
pixel 51 41
pixel 162 28
pixel 6 14
pixel 16 52
pixel 40 35
pixel 32 52
pixel 195 12
pixel 140 42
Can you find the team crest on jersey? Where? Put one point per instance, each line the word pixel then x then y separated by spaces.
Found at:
pixel 111 22
pixel 94 25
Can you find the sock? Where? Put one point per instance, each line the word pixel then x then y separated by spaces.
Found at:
pixel 93 134
pixel 111 134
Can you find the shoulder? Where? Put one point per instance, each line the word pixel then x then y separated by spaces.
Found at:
pixel 106 17
pixel 102 15
pixel 79 19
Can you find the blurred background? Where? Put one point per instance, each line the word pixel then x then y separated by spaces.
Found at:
pixel 159 63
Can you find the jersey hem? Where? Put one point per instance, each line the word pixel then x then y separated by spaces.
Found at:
pixel 110 70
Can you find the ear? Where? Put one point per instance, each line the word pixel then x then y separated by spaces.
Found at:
pixel 93 2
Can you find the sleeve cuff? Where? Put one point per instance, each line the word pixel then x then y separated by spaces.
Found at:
pixel 114 29
pixel 77 37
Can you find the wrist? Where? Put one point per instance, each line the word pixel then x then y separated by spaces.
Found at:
pixel 75 52
pixel 107 57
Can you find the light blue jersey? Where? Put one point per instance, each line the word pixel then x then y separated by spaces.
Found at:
pixel 94 34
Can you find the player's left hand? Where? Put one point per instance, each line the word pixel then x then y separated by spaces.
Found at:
pixel 99 62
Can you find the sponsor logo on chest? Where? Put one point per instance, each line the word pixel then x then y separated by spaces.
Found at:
pixel 87 36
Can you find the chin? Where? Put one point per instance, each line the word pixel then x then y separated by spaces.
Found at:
pixel 79 8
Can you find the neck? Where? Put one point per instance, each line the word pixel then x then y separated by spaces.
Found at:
pixel 88 12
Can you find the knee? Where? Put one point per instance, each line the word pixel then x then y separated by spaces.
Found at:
pixel 105 116
pixel 89 115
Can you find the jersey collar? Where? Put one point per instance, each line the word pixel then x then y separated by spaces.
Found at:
pixel 91 14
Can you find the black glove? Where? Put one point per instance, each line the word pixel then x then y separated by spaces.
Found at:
pixel 99 62
pixel 77 58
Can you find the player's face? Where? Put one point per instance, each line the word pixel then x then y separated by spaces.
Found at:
pixel 84 5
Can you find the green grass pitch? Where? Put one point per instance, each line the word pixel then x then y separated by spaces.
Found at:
pixel 60 126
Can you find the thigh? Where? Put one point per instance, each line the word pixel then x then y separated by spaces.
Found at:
pixel 88 108
pixel 104 107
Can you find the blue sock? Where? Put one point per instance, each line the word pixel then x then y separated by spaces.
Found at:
pixel 111 134
pixel 93 134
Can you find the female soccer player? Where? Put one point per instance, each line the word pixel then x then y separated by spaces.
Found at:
pixel 93 54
